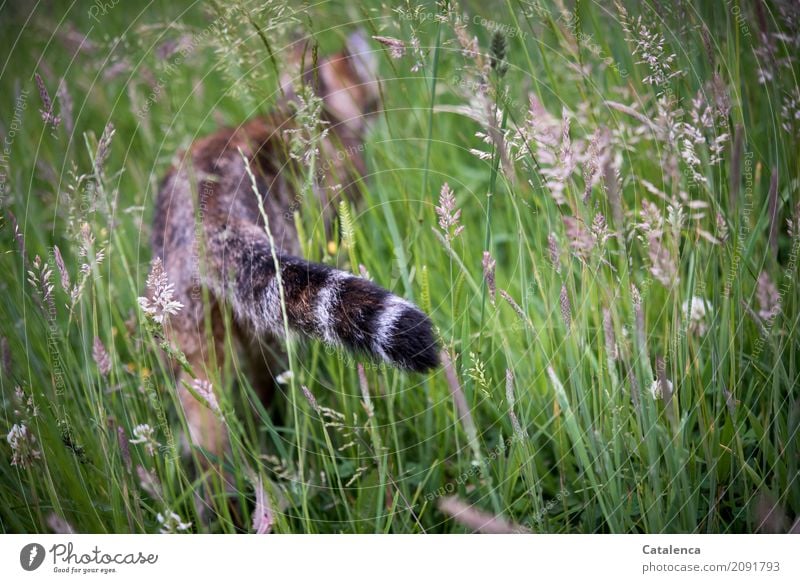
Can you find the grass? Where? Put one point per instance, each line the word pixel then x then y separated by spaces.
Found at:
pixel 584 317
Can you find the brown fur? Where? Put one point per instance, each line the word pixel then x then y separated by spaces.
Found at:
pixel 211 183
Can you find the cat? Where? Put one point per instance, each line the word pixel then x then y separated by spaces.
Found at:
pixel 206 206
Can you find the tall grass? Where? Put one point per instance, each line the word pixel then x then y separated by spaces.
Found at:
pixel 630 367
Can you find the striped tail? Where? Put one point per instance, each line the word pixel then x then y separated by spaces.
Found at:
pixel 321 302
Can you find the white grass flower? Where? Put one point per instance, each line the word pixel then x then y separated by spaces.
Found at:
pixel 480 154
pixel 145 435
pixel 23 446
pixel 205 389
pixel 101 357
pixel 717 148
pixel 449 214
pixel 397 48
pixel 87 244
pixel 793 223
pixel 656 389
pixel 171 523
pixel 311 399
pixel 469 45
pixel 59 525
pixel 25 402
pixel 790 113
pixel 662 262
pixel 519 432
pixel 89 257
pixel 160 305
pixel 39 278
pixel 419 55
pixel 284 378
pixel 650 47
pixel 721 228
pixel 358 473
pixel 598 157
pixel 548 139
pixel 697 311
pixel 103 148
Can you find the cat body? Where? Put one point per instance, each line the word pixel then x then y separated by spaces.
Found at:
pixel 211 237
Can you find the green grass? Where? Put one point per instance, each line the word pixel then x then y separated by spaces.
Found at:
pixel 597 452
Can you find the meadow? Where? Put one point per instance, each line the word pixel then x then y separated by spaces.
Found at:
pixel 596 202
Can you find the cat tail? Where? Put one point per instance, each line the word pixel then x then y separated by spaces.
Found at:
pixel 321 302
